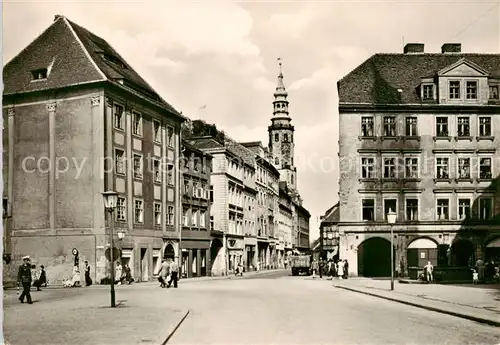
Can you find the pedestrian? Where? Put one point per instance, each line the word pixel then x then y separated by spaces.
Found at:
pixel 340 269
pixel 128 274
pixel 428 271
pixel 24 279
pixel 475 277
pixel 314 268
pixel 321 266
pixel 88 280
pixel 118 274
pixel 42 279
pixel 164 273
pixel 346 269
pixel 174 273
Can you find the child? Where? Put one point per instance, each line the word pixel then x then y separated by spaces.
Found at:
pixel 475 277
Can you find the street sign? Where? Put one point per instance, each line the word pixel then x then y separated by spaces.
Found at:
pixel 116 254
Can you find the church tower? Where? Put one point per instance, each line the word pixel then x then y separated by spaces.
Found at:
pixel 281 140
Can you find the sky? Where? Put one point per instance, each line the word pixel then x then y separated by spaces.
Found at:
pixel 217 60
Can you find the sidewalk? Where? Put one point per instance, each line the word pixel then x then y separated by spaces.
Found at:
pixel 84 317
pixel 477 303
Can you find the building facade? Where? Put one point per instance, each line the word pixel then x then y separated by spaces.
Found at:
pixel 419 135
pixel 329 234
pixel 285 226
pixel 196 205
pixel 78 120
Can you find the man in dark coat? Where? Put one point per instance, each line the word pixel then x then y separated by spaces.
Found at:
pixel 24 279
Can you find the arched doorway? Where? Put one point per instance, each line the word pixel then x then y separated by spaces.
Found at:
pixel 492 251
pixel 420 251
pixel 374 258
pixel 216 259
pixel 461 253
pixel 169 252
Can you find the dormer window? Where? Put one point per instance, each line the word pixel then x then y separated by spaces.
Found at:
pixel 471 90
pixel 428 92
pixel 494 92
pixel 39 74
pixel 454 90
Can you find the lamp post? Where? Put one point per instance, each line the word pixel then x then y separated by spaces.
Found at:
pixel 110 200
pixel 391 219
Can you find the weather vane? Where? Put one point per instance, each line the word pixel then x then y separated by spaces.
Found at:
pixel 280 63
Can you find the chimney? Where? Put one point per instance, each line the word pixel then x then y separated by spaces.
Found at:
pixel 414 48
pixel 451 48
pixel 57 16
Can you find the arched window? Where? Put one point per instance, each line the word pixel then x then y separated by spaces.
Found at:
pixel 291 138
pixel 285 137
pixel 276 161
pixel 277 137
pixel 292 179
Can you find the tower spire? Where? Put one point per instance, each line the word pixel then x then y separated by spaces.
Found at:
pixel 280 87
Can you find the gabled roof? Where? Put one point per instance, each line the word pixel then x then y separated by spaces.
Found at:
pixel 463 62
pixel 332 215
pixel 378 79
pixel 74 56
pixel 241 151
pixel 204 143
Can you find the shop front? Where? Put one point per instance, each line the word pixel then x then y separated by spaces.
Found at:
pixel 235 252
pixel 250 254
pixel 195 258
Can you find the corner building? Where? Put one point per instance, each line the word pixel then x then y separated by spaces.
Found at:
pixel 78 120
pixel 420 135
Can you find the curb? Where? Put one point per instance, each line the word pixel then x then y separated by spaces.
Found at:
pixel 172 332
pixel 439 310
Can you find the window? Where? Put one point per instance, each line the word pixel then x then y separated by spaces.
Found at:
pixel 411 126
pixel 170 175
pixel 276 137
pixel 157 213
pixel 194 218
pixel 170 136
pixel 276 161
pixel 471 90
pixel 119 162
pixel 39 74
pixel 463 129
pixel 138 211
pixel 389 126
pixel 156 170
pixel 454 90
pixel 485 208
pixel 291 138
pixel 411 167
pixel 463 209
pixel 137 166
pixel 137 123
pixel 494 92
pixel 185 217
pixel 389 167
pixel 202 218
pixel 485 168
pixel 367 168
pixel 156 131
pixel 442 126
pixel 170 215
pixel 428 92
pixel 368 209
pixel 443 209
pixel 118 115
pixel 211 222
pixel 186 187
pixel 367 126
pixel 463 168
pixel 121 209
pixel 285 137
pixel 390 205
pixel 442 168
pixel 412 209
pixel 485 126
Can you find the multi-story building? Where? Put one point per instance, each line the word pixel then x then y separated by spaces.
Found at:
pixel 267 179
pixel 195 237
pixel 78 121
pixel 329 233
pixel 285 225
pixel 303 217
pixel 420 135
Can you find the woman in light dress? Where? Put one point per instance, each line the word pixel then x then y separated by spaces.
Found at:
pixel 340 269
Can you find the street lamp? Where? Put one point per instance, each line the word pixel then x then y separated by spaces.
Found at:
pixel 391 219
pixel 110 201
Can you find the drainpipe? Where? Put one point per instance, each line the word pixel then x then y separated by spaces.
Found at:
pixel 178 196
